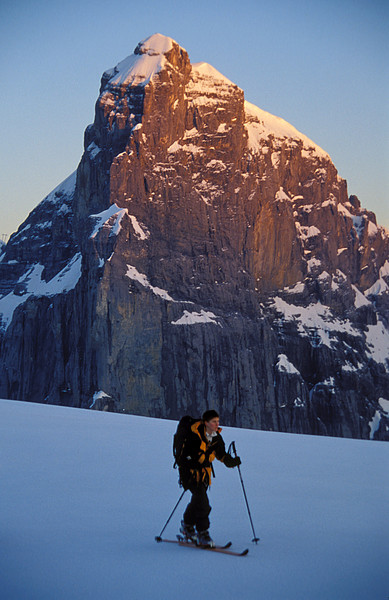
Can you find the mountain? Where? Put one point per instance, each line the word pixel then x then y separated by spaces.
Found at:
pixel 204 253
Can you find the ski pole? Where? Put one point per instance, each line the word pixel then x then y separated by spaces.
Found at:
pixel 255 538
pixel 159 537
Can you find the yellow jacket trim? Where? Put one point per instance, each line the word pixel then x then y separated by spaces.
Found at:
pixel 206 473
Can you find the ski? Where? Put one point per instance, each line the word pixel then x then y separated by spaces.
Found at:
pixel 221 549
pixel 180 538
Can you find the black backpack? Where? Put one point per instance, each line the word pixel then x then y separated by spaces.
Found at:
pixel 180 437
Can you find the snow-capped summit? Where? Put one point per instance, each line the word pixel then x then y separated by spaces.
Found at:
pixel 148 59
pixel 155 44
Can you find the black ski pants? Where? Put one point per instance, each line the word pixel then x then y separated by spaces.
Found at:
pixel 198 509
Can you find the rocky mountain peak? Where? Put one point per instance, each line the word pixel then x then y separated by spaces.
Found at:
pixel 205 253
pixel 150 57
pixel 155 44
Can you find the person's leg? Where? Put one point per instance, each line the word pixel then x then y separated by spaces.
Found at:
pixel 198 509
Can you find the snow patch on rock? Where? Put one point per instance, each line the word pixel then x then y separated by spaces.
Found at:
pixel 315 321
pixel 377 343
pixel 195 318
pixel 108 218
pixel 135 275
pixel 380 286
pixel 65 188
pixel 33 285
pixel 140 230
pixel 282 196
pixel 285 366
pixel 99 396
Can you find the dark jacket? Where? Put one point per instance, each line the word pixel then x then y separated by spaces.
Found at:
pixel 198 454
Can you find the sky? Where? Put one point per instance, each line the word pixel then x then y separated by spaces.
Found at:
pixel 321 66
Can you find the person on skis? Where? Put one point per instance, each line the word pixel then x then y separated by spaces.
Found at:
pixel 203 444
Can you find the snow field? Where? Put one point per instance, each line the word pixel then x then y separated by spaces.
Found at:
pixel 85 492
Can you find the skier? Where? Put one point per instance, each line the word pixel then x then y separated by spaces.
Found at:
pixel 202 445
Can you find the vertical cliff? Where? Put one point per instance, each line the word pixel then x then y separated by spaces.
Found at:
pixel 204 253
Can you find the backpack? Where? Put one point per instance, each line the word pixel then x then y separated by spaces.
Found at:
pixel 180 437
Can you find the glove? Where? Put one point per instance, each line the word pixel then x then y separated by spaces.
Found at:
pixel 232 461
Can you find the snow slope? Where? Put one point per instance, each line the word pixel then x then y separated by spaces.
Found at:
pixel 139 68
pixel 84 493
pixel 261 124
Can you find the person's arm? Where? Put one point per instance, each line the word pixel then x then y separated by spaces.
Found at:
pixel 224 457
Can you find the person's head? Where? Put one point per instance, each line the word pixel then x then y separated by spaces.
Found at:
pixel 211 420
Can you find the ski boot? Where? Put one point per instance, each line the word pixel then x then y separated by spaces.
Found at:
pixel 189 532
pixel 204 539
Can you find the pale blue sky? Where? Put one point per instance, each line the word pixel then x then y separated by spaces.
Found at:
pixel 321 65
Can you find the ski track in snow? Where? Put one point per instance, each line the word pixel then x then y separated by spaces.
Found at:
pixel 85 492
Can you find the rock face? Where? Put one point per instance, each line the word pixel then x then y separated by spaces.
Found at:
pixel 205 253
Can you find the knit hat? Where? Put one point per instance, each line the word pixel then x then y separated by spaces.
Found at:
pixel 210 414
